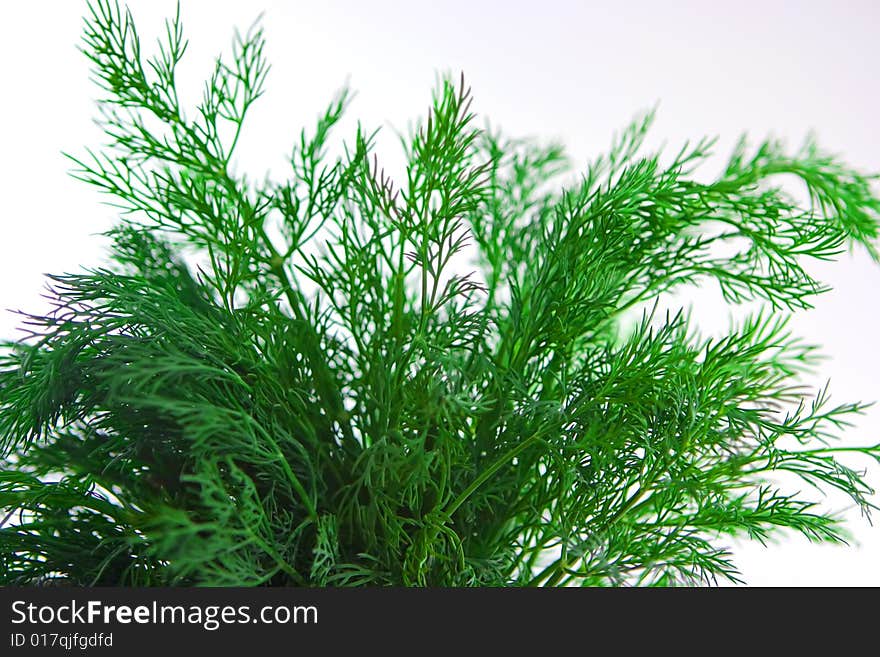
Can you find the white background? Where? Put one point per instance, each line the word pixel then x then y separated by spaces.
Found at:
pixel 573 71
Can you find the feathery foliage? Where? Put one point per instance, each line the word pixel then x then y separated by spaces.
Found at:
pixel 296 384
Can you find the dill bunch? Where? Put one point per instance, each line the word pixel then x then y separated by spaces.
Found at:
pixel 295 383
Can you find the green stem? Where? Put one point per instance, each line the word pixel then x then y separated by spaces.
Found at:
pixel 486 474
pixel 319 367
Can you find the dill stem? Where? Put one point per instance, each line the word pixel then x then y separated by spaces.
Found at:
pixel 319 366
pixel 486 474
pixel 560 566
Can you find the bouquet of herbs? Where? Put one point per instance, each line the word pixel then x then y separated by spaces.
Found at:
pixel 344 379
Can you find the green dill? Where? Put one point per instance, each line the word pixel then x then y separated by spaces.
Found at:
pixel 299 383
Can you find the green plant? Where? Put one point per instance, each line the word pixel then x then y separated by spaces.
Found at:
pixel 294 384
